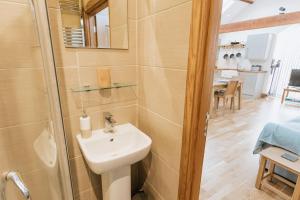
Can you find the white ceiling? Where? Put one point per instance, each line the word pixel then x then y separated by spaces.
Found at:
pixel 231 8
pixel 236 10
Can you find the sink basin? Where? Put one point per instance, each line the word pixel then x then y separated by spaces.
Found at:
pixel 111 154
pixel 107 151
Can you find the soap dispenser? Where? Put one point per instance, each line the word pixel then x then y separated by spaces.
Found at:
pixel 85 126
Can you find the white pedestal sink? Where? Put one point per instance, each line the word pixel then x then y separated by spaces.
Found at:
pixel 112 154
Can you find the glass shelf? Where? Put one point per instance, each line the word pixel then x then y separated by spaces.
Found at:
pixel 113 86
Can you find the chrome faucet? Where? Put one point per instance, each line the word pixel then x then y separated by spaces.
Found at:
pixel 15 178
pixel 109 123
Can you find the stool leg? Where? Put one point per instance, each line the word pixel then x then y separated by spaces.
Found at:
pixel 271 170
pixel 283 97
pixel 296 194
pixel 261 172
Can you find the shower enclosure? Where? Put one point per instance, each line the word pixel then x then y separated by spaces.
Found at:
pixel 33 156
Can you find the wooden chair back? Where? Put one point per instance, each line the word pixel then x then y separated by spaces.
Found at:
pixel 231 88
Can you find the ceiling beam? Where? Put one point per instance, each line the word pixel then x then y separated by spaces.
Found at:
pixel 277 20
pixel 248 1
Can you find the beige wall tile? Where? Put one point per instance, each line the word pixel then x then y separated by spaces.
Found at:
pixel 16 147
pixel 68 78
pixel 93 57
pixel 163 39
pixel 162 5
pixel 152 194
pixel 119 74
pixel 64 57
pixel 146 42
pixel 163 91
pixel 172 36
pixel 71 102
pixel 164 179
pixel 22 106
pixel 132 11
pixel 20 55
pixel 40 184
pixel 166 4
pixel 18 38
pixel 177 2
pixel 144 8
pixel 16 26
pixel 118 13
pixel 119 37
pixel 16 1
pixel 90 194
pixel 26 78
pixel 165 135
pixel 72 128
pixel 79 175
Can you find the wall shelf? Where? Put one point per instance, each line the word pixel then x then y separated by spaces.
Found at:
pixel 113 86
pixel 232 46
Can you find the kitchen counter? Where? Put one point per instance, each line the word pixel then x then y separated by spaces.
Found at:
pixel 240 70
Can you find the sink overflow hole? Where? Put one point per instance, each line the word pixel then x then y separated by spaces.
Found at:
pixel 111 140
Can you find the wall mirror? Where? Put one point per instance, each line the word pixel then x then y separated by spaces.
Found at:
pixel 95 23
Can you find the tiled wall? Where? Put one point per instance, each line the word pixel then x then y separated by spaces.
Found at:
pixel 23 99
pixel 77 67
pixel 156 61
pixel 163 40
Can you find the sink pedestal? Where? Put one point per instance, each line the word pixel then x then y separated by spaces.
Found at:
pixel 116 184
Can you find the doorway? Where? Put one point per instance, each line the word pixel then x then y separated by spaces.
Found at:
pixel 198 100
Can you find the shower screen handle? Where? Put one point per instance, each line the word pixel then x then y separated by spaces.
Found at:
pixel 15 178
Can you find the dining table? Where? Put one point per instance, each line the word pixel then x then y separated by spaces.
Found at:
pixel 220 84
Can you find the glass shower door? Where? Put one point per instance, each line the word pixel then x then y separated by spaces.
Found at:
pixel 31 134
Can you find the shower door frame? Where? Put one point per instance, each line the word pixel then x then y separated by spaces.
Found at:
pixel 41 20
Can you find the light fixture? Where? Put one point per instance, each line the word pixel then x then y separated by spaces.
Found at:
pixel 282 10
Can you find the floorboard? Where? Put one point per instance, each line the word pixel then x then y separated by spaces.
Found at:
pixel 230 167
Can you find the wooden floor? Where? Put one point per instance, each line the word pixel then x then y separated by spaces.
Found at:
pixel 230 168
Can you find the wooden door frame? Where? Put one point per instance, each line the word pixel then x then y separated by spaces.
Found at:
pixel 89 21
pixel 206 16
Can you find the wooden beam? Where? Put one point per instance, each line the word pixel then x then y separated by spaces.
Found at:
pixel 205 25
pixel 248 1
pixel 278 20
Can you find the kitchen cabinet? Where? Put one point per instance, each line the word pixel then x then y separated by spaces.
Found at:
pixel 253 83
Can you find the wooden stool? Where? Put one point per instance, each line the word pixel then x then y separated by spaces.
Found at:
pixel 273 155
pixel 286 92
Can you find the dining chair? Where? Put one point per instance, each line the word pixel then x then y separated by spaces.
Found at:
pixel 226 94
